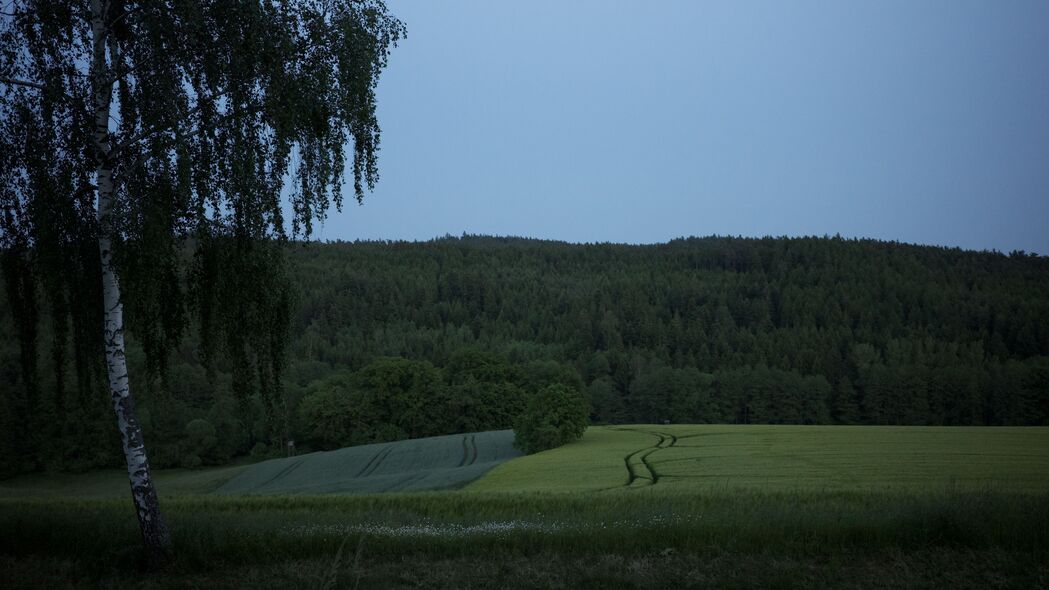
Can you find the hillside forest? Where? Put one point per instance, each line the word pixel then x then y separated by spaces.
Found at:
pixel 393 340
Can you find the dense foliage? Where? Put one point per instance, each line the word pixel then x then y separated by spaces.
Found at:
pixel 554 416
pixel 697 330
pixel 153 145
pixel 393 399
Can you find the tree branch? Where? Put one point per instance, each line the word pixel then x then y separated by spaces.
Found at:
pixel 14 13
pixel 143 134
pixel 125 14
pixel 16 82
pixel 146 133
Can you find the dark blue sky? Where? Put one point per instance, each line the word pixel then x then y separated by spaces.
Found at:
pixel 919 121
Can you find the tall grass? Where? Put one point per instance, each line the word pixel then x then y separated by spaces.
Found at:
pixel 259 530
pixel 583 524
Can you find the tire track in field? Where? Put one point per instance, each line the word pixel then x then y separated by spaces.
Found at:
pixel 374 462
pixel 403 482
pixel 282 473
pixel 473 451
pixel 640 472
pixel 667 441
pixel 469 450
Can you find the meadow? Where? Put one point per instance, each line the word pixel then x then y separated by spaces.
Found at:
pixel 627 506
pixel 713 458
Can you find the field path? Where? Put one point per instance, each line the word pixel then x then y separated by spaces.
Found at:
pixel 640 472
pixel 283 472
pixel 374 463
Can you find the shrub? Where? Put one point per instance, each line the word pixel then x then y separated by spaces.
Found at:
pixel 231 434
pixel 200 439
pixel 554 416
pixel 260 451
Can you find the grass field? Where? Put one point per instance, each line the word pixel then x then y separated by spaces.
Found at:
pixel 436 463
pixel 631 507
pixel 711 458
pixel 113 483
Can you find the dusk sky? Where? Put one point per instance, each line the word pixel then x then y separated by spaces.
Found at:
pixel 918 121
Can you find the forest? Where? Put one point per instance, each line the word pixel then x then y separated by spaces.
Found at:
pixel 392 340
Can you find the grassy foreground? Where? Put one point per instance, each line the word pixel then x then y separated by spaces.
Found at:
pixel 585 516
pixel 394 540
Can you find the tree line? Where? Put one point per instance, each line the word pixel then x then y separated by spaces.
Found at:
pixel 452 335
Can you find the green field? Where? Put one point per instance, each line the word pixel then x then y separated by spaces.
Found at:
pixel 435 463
pixel 679 459
pixel 710 458
pixel 641 506
pixel 113 483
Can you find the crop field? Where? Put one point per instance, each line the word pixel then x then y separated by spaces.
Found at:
pixel 711 458
pixel 434 463
pixel 640 506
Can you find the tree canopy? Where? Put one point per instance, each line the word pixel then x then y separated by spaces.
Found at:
pixel 219 111
pixel 555 415
pixel 146 151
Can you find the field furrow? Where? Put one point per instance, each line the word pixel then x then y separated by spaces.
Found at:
pixel 473 449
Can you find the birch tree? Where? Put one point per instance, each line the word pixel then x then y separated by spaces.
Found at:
pixel 154 157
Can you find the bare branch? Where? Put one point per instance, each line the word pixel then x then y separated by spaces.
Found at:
pixel 15 13
pixel 16 82
pixel 125 14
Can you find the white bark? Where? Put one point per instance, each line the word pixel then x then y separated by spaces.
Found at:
pixel 154 532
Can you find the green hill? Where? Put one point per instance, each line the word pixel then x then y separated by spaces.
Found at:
pixel 435 463
pixel 697 330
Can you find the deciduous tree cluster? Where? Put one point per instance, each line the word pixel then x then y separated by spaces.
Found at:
pixel 811 330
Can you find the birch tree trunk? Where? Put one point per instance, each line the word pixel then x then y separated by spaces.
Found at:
pixel 155 533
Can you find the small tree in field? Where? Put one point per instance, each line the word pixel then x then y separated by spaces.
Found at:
pixel 554 416
pixel 144 152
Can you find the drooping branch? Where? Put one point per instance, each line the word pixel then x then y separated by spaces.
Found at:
pixel 154 130
pixel 149 132
pixel 17 82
